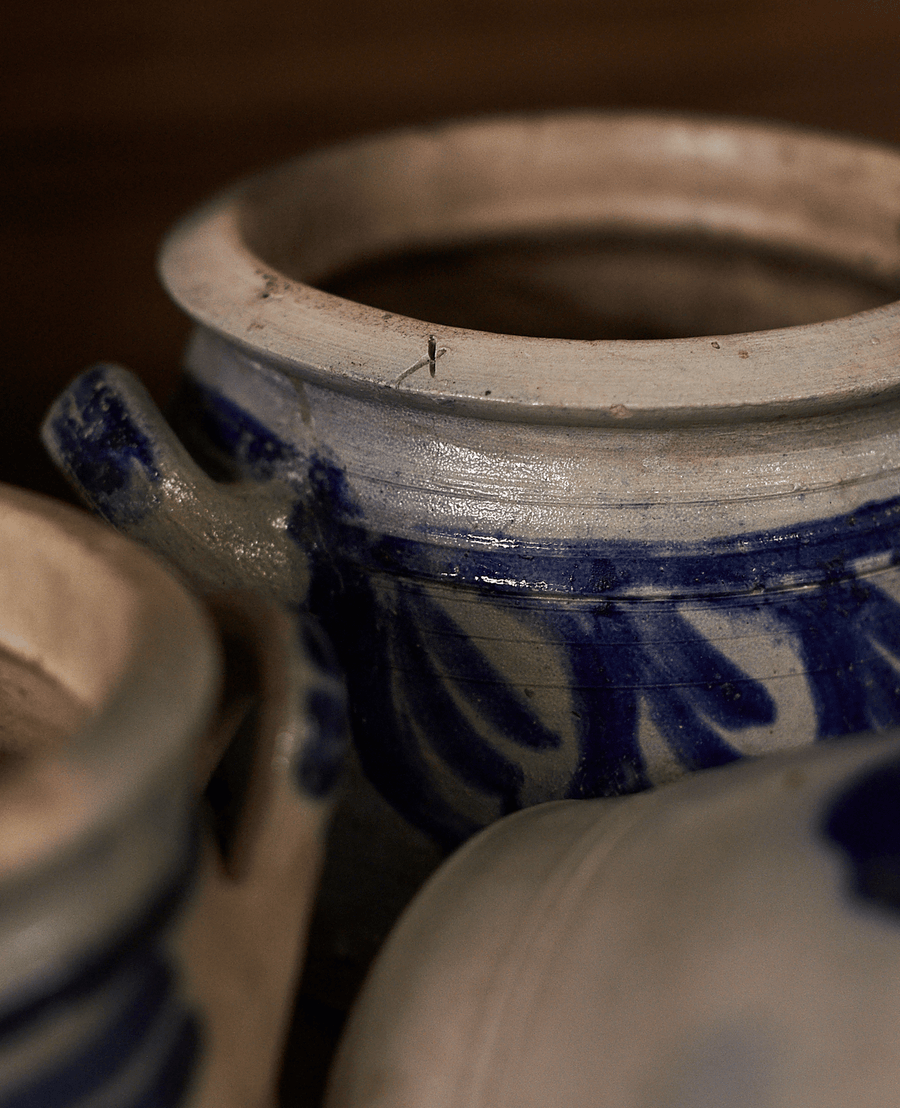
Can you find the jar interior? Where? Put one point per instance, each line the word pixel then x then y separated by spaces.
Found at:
pixel 66 627
pixel 37 710
pixel 589 227
pixel 609 287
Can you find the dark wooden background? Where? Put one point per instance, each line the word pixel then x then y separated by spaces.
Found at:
pixel 119 116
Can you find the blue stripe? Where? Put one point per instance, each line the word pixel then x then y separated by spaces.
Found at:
pixel 133 970
pixel 823 551
pixel 813 552
pixel 99 969
pixel 98 442
pixel 91 1066
pixel 173 1078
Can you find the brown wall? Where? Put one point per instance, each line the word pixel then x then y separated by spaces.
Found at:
pixel 118 116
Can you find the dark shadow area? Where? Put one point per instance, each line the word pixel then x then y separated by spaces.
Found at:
pixel 592 287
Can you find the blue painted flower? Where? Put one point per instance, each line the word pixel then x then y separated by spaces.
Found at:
pixel 863 820
pixel 455 737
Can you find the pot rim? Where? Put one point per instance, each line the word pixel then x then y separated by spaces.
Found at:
pixel 110 624
pixel 213 266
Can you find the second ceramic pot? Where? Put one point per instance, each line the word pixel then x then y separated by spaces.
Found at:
pixel 730 939
pixel 150 939
pixel 599 485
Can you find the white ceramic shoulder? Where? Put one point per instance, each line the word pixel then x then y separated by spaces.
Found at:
pixel 730 939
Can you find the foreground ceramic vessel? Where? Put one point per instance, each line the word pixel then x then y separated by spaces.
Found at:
pixel 729 939
pixel 142 960
pixel 553 566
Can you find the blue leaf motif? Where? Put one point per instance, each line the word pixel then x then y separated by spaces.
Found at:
pixel 430 702
pixel 421 693
pixel 97 439
pixel 425 694
pixel 687 681
pixel 849 636
pixel 466 749
pixel 623 654
pixel 453 653
pixel 394 692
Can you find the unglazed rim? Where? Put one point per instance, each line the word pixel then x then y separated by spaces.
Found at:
pixel 784 186
pixel 156 686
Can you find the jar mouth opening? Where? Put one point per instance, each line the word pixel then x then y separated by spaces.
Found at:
pixel 557 260
pixel 587 286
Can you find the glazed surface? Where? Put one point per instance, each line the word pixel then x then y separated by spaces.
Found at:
pixel 588 635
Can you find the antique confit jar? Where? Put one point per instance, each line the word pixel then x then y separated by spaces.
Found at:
pixel 580 432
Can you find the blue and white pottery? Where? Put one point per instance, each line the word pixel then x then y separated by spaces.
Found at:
pixel 553 568
pixel 140 966
pixel 732 938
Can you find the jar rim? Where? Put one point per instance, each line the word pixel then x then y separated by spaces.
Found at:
pixel 97 614
pixel 832 196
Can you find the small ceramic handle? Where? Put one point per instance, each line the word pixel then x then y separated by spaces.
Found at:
pixel 115 446
pixel 267 767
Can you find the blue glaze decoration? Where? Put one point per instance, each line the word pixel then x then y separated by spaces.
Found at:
pixel 226 436
pixel 150 1008
pixel 844 632
pixel 100 445
pixel 686 682
pixel 321 758
pixel 821 552
pixel 90 975
pixel 149 1025
pixel 320 762
pixel 816 552
pixel 863 820
pixel 619 653
pixel 330 492
pixel 400 645
pixel 614 617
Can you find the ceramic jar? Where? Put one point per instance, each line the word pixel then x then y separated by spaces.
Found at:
pixel 151 924
pixel 654 530
pixel 732 938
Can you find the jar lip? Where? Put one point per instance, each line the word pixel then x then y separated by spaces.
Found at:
pixel 102 617
pixel 633 170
